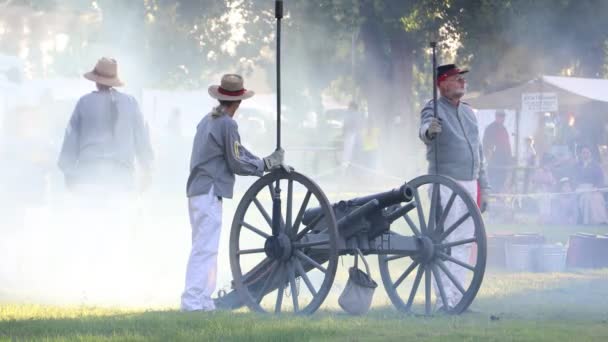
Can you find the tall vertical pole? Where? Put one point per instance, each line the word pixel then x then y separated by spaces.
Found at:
pixel 276 196
pixel 278 13
pixel 434 85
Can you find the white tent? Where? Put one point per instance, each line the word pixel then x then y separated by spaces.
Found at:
pixel 570 91
pixel 540 95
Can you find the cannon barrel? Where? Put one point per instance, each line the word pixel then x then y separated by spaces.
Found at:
pixel 385 199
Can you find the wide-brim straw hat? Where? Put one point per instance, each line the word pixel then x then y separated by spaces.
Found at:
pixel 105 72
pixel 231 88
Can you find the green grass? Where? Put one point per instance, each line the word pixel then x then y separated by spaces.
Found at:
pixel 529 307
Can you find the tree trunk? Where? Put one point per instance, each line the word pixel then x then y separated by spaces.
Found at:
pixel 386 80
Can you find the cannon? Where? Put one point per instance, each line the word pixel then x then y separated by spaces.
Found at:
pixel 268 266
pixel 280 239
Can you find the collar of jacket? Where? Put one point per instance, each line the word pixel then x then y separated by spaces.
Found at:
pixel 448 102
pixel 218 111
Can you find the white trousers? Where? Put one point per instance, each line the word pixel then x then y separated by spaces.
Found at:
pixel 463 252
pixel 206 221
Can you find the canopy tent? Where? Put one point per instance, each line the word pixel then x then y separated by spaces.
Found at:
pixel 570 91
pixel 551 93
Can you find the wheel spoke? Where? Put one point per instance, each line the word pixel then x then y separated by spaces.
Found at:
pixel 405 274
pixel 310 244
pixel 417 280
pixel 412 225
pixel 420 211
pixel 456 261
pixel 280 290
pixel 289 205
pixel 309 227
pixel 306 258
pixel 274 266
pixel 255 230
pixel 456 243
pixel 294 290
pixel 427 290
pixel 250 251
pixel 446 210
pixel 304 276
pixel 439 282
pixel 263 212
pixel 395 257
pixel 296 224
pixel 451 276
pixel 454 226
pixel 434 206
pixel 255 271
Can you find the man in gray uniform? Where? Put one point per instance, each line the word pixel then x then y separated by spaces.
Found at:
pixel 104 137
pixel 217 155
pixel 454 136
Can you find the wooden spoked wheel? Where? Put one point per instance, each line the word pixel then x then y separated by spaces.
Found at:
pixel 292 268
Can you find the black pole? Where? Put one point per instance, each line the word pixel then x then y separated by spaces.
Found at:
pixel 278 13
pixel 434 83
pixel 276 196
pixel 439 209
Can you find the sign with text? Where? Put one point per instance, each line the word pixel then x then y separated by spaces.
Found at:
pixel 539 102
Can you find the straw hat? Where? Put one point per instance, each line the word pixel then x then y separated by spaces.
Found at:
pixel 230 89
pixel 105 72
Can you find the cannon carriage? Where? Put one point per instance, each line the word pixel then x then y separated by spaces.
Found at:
pixel 268 264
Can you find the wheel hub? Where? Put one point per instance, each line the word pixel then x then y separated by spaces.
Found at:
pixel 428 249
pixel 278 247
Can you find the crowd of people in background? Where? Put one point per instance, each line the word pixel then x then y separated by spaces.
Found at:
pixel 561 180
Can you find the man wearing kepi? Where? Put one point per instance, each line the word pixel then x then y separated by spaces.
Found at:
pixel 217 155
pixel 454 136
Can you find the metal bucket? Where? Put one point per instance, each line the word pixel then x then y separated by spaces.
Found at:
pixel 550 258
pixel 519 251
pixel 496 250
pixel 519 257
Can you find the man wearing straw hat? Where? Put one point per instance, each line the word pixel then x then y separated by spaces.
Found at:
pixel 217 155
pixel 105 135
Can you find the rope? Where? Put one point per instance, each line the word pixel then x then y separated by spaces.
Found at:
pixel 548 194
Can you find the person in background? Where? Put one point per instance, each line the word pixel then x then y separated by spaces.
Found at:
pixel 590 177
pixel 543 185
pixel 564 206
pixel 351 133
pixel 529 161
pixel 105 141
pixel 105 136
pixel 497 150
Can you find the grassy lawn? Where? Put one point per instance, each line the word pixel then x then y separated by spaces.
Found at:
pixel 511 307
pixel 570 306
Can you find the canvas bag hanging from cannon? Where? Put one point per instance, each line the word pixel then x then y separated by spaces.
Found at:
pixel 356 298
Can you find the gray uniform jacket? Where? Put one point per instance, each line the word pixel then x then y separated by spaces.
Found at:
pixel 217 155
pixel 95 149
pixel 459 149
